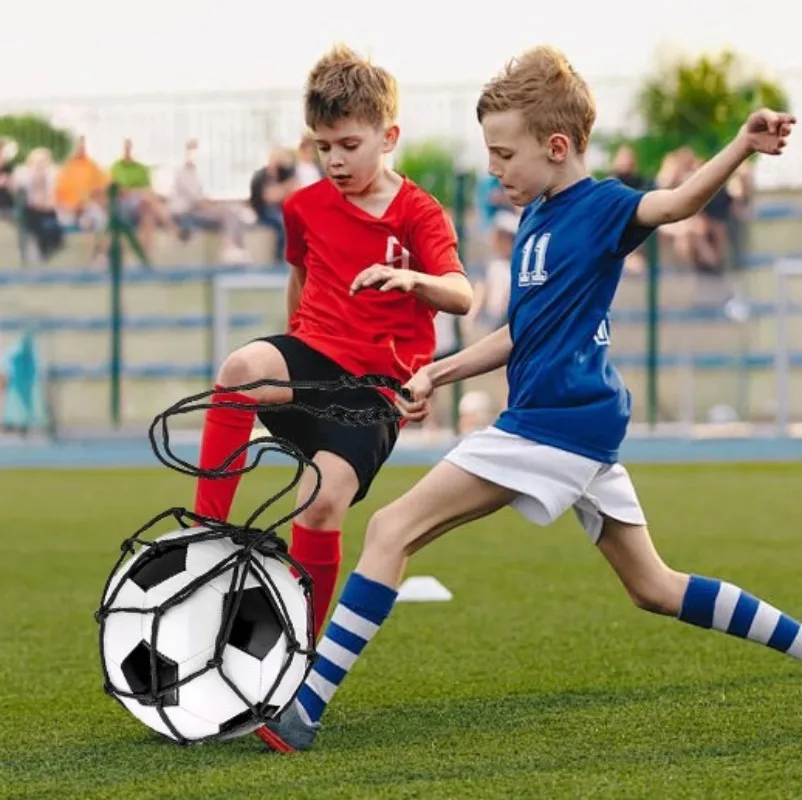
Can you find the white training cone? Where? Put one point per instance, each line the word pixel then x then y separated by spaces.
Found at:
pixel 423 589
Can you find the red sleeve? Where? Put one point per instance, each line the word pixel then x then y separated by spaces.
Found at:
pixel 433 240
pixel 295 249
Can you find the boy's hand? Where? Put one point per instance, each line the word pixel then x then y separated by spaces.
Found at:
pixel 767 131
pixel 385 279
pixel 420 386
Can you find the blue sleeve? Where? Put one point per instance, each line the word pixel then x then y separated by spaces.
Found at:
pixel 619 232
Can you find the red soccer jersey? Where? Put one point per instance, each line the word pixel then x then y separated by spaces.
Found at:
pixel 334 240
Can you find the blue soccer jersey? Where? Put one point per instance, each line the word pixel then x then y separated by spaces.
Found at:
pixel 567 261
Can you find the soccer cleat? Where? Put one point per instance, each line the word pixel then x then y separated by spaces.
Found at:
pixel 289 733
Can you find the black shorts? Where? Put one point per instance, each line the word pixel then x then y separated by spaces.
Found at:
pixel 364 448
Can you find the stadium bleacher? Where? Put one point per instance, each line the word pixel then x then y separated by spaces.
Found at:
pixel 167 323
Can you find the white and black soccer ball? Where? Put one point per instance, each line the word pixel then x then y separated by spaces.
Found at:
pixel 169 658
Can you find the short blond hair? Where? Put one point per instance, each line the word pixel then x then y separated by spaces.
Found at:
pixel 344 85
pixel 552 96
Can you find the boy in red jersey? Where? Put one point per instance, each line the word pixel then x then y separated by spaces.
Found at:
pixel 372 259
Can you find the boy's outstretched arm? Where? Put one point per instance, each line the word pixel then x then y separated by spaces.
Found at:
pixel 451 292
pixel 765 131
pixel 439 279
pixel 489 353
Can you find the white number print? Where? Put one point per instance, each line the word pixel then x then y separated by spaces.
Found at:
pixel 602 336
pixel 395 254
pixel 536 276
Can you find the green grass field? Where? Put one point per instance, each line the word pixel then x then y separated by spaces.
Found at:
pixel 538 680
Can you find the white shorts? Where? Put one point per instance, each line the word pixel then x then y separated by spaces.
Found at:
pixel 549 481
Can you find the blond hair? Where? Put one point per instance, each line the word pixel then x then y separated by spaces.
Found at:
pixel 343 84
pixel 552 96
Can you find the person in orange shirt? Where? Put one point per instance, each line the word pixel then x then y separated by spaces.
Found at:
pixel 81 194
pixel 79 182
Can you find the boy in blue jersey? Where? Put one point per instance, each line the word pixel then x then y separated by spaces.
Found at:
pixel 556 445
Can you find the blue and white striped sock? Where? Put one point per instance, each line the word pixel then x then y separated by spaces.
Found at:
pixel 710 603
pixel 363 607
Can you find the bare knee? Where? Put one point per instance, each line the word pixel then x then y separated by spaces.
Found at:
pixel 255 362
pixel 238 369
pixel 384 535
pixel 327 510
pixel 659 593
pixel 650 583
pixel 325 493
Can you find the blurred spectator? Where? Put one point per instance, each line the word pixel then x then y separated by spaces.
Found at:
pixel 717 214
pixel 36 180
pixel 191 209
pixel 741 190
pixel 270 185
pixel 491 299
pixel 490 199
pixel 492 291
pixel 139 206
pixel 625 169
pixel 307 166
pixel 81 197
pixel 6 172
pixel 690 238
pixel 22 392
pixel 128 173
pixel 80 190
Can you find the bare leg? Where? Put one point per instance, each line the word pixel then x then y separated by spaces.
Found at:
pixel 700 601
pixel 444 498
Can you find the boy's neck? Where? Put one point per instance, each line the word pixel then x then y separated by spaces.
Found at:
pixel 574 170
pixel 379 193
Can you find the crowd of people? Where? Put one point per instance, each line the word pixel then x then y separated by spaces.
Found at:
pixel 53 199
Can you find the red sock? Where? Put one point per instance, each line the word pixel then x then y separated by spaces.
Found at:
pixel 320 554
pixel 224 430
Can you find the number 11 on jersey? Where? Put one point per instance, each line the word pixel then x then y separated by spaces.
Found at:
pixel 538 275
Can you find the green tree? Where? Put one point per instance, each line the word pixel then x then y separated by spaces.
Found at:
pixel 432 166
pixel 31 130
pixel 700 103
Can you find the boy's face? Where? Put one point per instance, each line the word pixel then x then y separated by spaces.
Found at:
pixel 352 152
pixel 525 166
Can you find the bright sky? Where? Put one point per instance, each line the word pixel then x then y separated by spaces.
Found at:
pixel 85 47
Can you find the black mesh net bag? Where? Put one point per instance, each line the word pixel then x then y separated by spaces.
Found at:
pixel 206 631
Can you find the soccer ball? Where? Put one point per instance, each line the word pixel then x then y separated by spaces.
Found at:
pixel 200 640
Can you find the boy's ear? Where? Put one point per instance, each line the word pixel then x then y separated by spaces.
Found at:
pixel 558 147
pixel 390 139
